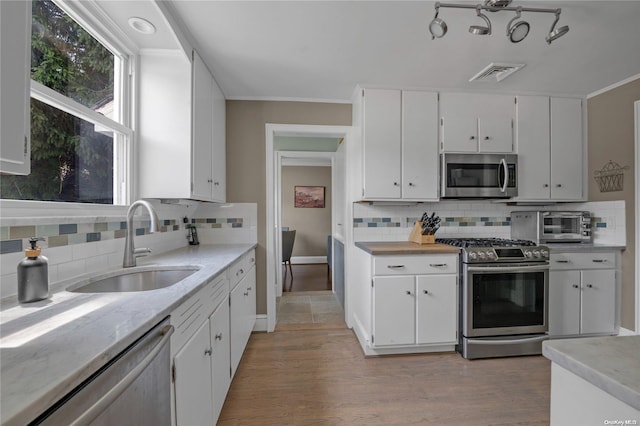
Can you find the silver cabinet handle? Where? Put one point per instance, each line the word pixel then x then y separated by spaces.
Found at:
pixel 395 266
pixel 562 261
pixel 218 336
pixel 437 265
pixel 246 293
pixel 599 260
pixel 248 288
pixel 96 409
pixel 208 351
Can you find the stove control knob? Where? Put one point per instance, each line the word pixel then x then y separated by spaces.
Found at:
pixel 545 253
pixel 536 253
pixel 491 254
pixel 527 253
pixel 481 255
pixel 473 255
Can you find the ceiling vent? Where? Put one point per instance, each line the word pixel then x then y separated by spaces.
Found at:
pixel 496 72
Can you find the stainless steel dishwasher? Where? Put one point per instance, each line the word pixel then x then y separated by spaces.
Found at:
pixel 132 389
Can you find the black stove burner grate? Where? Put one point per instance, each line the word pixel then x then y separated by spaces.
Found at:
pixel 485 242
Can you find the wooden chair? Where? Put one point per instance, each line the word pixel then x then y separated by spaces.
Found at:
pixel 288 238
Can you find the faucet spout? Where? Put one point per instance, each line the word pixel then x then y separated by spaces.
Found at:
pixel 130 252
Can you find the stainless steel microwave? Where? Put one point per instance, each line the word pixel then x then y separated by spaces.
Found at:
pixel 479 175
pixel 545 227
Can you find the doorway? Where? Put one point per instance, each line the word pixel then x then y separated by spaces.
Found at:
pixel 280 150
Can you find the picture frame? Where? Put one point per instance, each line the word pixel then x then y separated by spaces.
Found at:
pixel 309 197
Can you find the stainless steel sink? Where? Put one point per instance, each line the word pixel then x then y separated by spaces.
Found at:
pixel 134 281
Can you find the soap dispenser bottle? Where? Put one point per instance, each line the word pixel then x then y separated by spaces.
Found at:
pixel 33 275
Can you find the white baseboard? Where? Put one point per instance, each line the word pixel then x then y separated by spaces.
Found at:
pixel 626 332
pixel 261 323
pixel 296 260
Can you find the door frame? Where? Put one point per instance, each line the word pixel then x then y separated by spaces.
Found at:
pixel 636 108
pixel 273 227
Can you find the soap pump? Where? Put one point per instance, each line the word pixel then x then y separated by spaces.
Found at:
pixel 33 274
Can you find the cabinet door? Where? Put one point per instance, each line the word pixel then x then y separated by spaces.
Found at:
pixel 419 145
pixel 202 136
pixel 564 303
pixel 533 147
pixel 598 301
pixel 381 134
pixel 495 123
pixel 437 309
pixel 459 122
pixel 220 357
pixel 15 38
pixel 219 160
pixel 193 380
pixel 394 310
pixel 566 149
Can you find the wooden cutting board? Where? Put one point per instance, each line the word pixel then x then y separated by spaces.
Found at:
pixel 404 247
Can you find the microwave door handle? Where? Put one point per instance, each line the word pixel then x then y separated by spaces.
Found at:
pixel 503 164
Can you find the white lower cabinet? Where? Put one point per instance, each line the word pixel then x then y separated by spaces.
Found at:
pixel 193 380
pixel 414 302
pixel 582 294
pixel 211 331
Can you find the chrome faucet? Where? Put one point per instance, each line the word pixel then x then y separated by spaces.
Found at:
pixel 130 252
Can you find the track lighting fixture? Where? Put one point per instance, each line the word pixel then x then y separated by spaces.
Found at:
pixel 517 29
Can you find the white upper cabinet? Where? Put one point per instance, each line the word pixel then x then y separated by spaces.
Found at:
pixel 471 122
pixel 399 144
pixel 15 52
pixel 567 158
pixel 550 148
pixel 182 129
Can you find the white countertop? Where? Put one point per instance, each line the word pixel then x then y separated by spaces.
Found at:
pixel 49 347
pixel 611 363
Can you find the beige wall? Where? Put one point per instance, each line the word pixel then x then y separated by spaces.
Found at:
pixel 312 225
pixel 246 168
pixel 611 137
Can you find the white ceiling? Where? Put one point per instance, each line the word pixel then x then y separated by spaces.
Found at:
pixel 320 50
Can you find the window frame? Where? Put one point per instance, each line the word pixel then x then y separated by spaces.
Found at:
pixel 93 20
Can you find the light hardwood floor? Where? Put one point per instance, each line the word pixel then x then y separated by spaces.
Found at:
pixel 320 377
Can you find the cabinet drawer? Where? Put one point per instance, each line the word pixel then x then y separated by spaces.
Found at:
pixel 563 261
pixel 415 265
pixel 240 268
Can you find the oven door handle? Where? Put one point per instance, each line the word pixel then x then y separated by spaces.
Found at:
pixel 508 342
pixel 520 268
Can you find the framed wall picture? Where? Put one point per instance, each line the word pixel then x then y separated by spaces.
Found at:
pixel 309 196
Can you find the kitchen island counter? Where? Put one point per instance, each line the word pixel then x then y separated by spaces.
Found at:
pixel 610 363
pixel 377 248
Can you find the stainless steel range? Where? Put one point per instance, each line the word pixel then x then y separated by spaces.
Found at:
pixel 503 298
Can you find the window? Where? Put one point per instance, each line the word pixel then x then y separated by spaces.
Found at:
pixel 79 137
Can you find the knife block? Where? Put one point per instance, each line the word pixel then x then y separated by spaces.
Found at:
pixel 417 237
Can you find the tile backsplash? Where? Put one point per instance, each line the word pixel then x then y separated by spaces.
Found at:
pixel 476 218
pixel 95 243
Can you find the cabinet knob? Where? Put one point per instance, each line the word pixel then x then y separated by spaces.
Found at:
pixel 408 292
pixel 395 183
pixel 472 138
pixel 575 286
pixel 589 285
pixel 486 138
pixel 218 336
pixel 209 180
pixel 208 351
pixel 411 184
pixel 546 185
pixel 559 185
pixel 426 291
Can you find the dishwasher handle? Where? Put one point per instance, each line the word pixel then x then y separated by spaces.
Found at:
pixel 96 409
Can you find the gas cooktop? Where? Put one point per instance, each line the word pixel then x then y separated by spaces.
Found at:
pixel 497 250
pixel 485 242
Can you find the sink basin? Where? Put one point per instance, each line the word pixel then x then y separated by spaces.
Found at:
pixel 135 281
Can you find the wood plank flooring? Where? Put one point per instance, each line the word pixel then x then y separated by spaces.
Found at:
pixel 308 277
pixel 308 310
pixel 320 377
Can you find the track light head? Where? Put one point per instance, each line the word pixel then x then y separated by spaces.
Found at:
pixel 479 29
pixel 517 31
pixel 556 33
pixel 437 27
